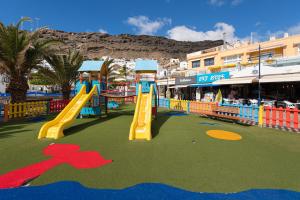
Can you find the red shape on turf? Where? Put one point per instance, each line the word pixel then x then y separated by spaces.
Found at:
pixel 61 154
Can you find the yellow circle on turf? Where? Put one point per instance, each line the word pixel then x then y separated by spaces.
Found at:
pixel 223 135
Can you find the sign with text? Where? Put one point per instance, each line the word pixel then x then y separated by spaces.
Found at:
pixel 209 78
pixel 185 80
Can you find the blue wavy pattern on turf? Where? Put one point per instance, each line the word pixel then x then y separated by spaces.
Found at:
pixel 37 119
pixel 145 191
pixel 176 114
pixel 208 124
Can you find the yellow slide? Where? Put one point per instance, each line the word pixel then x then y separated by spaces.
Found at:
pixel 141 125
pixel 54 129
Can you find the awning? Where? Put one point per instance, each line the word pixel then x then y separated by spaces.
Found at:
pixel 203 85
pixel 235 81
pixel 165 82
pixel 179 86
pixel 267 48
pixel 280 78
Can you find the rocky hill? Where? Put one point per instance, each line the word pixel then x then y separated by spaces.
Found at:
pixel 95 45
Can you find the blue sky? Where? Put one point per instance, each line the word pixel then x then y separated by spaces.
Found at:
pixel 177 19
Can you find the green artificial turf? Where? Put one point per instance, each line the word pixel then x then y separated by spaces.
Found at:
pixel 180 154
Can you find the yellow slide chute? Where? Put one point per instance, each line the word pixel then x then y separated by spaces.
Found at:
pixel 54 129
pixel 141 125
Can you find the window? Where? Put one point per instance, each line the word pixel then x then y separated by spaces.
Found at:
pixel 266 56
pixel 209 61
pixel 263 56
pixel 232 59
pixel 195 63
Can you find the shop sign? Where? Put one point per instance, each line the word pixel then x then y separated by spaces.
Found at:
pixel 185 80
pixel 209 78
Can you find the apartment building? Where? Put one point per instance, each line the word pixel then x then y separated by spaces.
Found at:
pixel 235 67
pixel 243 54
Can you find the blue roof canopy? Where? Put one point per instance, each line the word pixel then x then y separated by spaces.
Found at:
pixel 199 85
pixel 91 65
pixel 146 65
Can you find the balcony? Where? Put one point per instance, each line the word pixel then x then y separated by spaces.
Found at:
pixel 286 61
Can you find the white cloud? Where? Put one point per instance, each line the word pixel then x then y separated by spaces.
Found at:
pixel 144 26
pixel 184 33
pixel 216 2
pixel 263 36
pixel 254 37
pixel 236 2
pixel 294 29
pixel 258 23
pixel 102 30
pixel 224 2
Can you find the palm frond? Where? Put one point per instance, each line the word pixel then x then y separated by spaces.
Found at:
pixel 21 21
pixel 64 68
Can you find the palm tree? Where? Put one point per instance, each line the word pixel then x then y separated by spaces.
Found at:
pixel 63 71
pixel 20 52
pixel 124 72
pixel 114 73
pixel 106 69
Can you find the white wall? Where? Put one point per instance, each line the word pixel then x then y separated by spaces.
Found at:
pixel 183 65
pixel 3 83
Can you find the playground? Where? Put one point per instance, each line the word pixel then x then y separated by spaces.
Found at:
pixel 150 146
pixel 180 154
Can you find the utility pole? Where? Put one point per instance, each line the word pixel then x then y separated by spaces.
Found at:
pixel 259 65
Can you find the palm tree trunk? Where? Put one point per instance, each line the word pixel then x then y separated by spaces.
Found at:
pixel 18 87
pixel 66 90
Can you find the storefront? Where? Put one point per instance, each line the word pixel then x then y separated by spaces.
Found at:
pixel 163 86
pixel 239 87
pixel 281 87
pixel 204 89
pixel 276 83
pixel 182 88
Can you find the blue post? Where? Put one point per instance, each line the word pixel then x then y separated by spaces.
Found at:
pixel 1 108
pixel 245 114
pixel 161 102
pixel 256 110
pixel 251 112
pixel 241 111
pixel 188 107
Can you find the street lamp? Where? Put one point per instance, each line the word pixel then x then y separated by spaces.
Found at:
pixel 259 63
pixel 259 73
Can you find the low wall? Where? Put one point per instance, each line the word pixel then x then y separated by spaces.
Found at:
pixel 30 109
pixel 247 114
